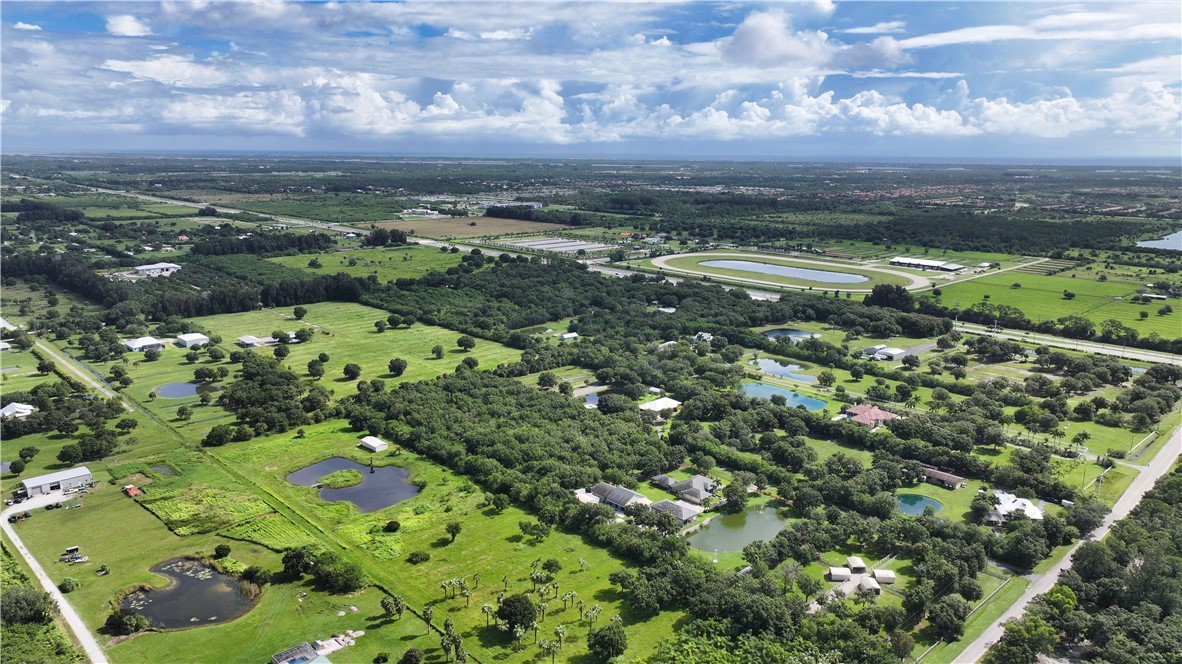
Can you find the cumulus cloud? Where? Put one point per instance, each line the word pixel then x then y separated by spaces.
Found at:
pixel 882 28
pixel 766 39
pixel 126 25
pixel 21 25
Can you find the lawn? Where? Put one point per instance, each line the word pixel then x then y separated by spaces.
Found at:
pixel 386 264
pixel 984 614
pixel 446 228
pixel 16 290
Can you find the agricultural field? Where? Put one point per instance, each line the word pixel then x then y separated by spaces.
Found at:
pixel 346 332
pixel 348 208
pixel 460 228
pixel 386 264
pixel 693 263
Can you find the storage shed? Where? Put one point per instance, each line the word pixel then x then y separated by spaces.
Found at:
pixel 59 481
pixel 884 575
pixel 191 339
pixel 839 574
pixel 374 444
pixel 143 343
pixel 855 564
pixel 870 584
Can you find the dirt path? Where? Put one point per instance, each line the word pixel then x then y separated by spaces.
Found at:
pixel 81 374
pixel 74 621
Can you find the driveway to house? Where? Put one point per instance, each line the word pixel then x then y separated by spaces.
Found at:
pixel 1132 496
pixel 82 635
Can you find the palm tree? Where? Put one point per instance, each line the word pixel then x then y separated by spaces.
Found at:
pixel 549 648
pixel 592 616
pixel 518 633
pixel 554 587
pixel 582 564
pixel 582 609
pixel 467 597
pixel 428 614
pixel 443 585
pixel 568 596
pixel 542 607
pixel 560 634
pixel 488 610
pixel 476 580
pixel 505 580
pixel 535 627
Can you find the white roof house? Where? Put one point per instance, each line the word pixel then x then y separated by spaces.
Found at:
pixel 657 405
pixel 1009 504
pixel 884 575
pixel 191 339
pixel 143 343
pixel 17 411
pixel 890 354
pixel 155 269
pixel 374 444
pixel 569 336
pixel 839 574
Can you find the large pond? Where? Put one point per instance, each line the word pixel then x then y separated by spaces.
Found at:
pixel 182 390
pixel 823 276
pixel 784 370
pixel 791 334
pixel 381 488
pixel 765 391
pixel 197 595
pixel 913 504
pixel 1171 241
pixel 732 532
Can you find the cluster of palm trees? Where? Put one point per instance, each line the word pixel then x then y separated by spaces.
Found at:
pixel 460 586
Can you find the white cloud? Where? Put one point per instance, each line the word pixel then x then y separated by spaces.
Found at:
pixel 883 28
pixel 126 25
pixel 21 25
pixel 766 39
pixel 171 70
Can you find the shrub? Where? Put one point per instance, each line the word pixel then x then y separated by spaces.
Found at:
pixel 125 621
pixel 221 551
pixel 26 605
pixel 381 658
pixel 69 585
pixel 392 526
pixel 418 557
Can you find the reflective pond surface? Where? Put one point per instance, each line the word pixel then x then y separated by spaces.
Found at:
pixel 823 276
pixel 791 334
pixel 198 595
pixel 783 370
pixel 732 532
pixel 1171 241
pixel 182 390
pixel 765 391
pixel 381 488
pixel 912 504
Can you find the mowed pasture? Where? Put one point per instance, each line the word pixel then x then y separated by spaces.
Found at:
pixel 387 264
pixel 346 332
pixel 1041 298
pixel 446 228
pixel 489 544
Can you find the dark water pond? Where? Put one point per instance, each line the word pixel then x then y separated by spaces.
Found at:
pixel 823 276
pixel 199 595
pixel 1171 241
pixel 384 487
pixel 784 370
pixel 791 334
pixel 182 390
pixel 765 391
pixel 912 504
pixel 732 532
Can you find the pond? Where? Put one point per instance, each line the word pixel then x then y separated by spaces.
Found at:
pixel 791 334
pixel 732 532
pixel 765 391
pixel 182 390
pixel 913 504
pixel 591 399
pixel 381 488
pixel 823 276
pixel 1171 241
pixel 784 370
pixel 197 595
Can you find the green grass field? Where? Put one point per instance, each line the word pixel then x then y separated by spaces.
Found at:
pixel 386 264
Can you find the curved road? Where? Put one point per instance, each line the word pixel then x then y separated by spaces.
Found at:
pixel 661 262
pixel 1159 466
pixel 82 635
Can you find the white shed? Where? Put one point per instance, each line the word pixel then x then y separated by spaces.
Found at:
pixel 569 336
pixel 884 575
pixel 839 574
pixel 143 343
pixel 59 481
pixel 374 444
pixel 15 410
pixel 890 354
pixel 657 405
pixel 191 339
pixel 868 583
pixel 855 564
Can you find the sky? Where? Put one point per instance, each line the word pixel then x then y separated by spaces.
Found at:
pixel 956 81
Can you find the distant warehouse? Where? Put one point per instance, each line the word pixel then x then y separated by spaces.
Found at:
pixel 924 264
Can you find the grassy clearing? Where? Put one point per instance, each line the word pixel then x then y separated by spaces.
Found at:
pixel 19 290
pixel 385 264
pixel 197 497
pixel 447 228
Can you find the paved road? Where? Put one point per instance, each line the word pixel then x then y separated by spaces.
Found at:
pixel 1072 344
pixel 81 634
pixel 917 282
pixel 69 365
pixel 1144 482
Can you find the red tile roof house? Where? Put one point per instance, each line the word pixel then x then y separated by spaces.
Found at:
pixel 869 416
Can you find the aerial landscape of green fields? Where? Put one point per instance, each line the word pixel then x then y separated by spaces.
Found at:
pixel 631 333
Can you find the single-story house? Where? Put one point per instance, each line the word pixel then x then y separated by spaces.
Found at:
pixel 568 336
pixel 664 403
pixel 872 350
pixel 703 337
pixel 1009 504
pixel 870 584
pixel 868 415
pixel 663 481
pixel 839 574
pixel 143 343
pixel 890 354
pixel 374 444
pixel 16 411
pixel 251 341
pixel 693 490
pixel 617 497
pixel 191 339
pixel 942 478
pixel 155 269
pixel 884 575
pixel 301 654
pixel 59 481
pixel 855 564
pixel 681 510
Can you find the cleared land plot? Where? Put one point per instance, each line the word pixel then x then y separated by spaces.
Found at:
pixel 776 270
pixel 1041 298
pixel 468 227
pixel 346 332
pixel 386 264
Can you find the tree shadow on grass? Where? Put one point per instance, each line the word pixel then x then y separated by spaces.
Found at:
pixel 441 542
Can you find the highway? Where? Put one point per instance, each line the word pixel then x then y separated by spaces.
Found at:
pixel 1073 344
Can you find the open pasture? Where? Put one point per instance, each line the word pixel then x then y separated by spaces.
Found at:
pixel 387 264
pixel 446 228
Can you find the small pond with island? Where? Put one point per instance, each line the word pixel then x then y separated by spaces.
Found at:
pixel 197 594
pixel 380 486
pixel 913 504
